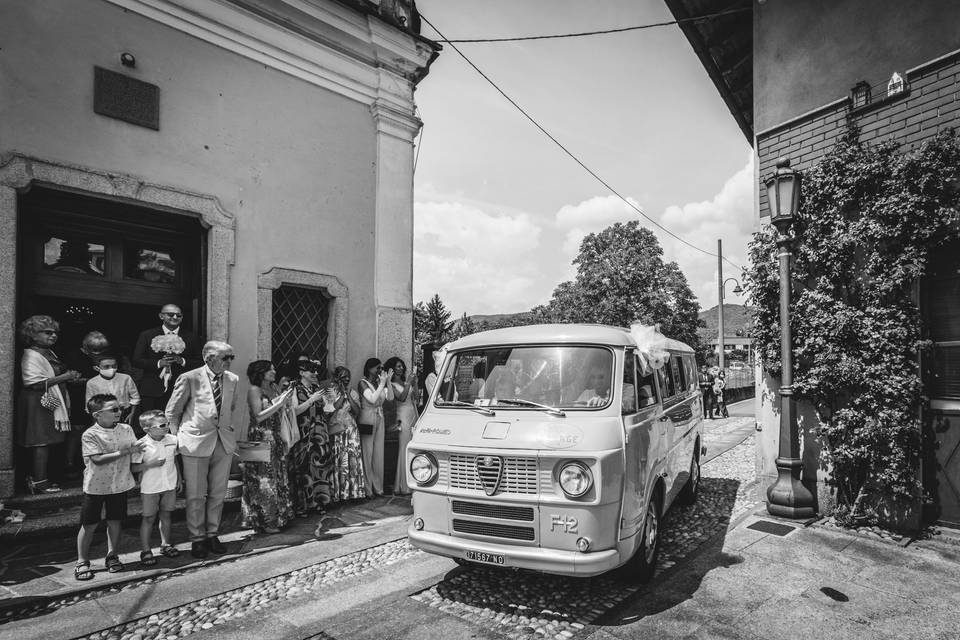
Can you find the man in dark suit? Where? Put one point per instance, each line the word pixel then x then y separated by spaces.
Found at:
pixel 154 393
pixel 705 380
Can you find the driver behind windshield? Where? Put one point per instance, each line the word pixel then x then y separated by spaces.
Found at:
pixel 597 383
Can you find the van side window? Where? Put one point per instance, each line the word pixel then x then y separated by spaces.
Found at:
pixel 628 403
pixel 666 381
pixel 646 387
pixel 678 373
pixel 690 367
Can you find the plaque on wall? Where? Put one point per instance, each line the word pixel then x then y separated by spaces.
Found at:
pixel 124 98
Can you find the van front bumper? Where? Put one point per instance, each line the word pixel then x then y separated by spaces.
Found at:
pixel 567 563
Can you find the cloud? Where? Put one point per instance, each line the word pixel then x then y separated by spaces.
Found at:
pixel 727 216
pixel 591 215
pixel 479 262
pixel 598 212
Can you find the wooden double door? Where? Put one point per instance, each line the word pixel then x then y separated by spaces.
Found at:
pixel 96 264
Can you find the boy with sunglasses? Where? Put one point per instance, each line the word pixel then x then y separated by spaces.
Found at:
pixel 160 480
pixel 107 447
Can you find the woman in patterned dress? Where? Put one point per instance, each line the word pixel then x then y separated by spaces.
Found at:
pixel 267 506
pixel 342 427
pixel 310 459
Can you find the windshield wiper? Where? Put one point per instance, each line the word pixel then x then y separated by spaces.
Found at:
pixel 465 405
pixel 527 403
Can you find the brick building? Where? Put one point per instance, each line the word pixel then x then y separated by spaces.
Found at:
pixel 796 76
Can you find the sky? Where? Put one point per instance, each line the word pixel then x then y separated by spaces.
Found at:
pixel 500 210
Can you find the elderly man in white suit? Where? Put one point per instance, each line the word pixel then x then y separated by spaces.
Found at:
pixel 200 414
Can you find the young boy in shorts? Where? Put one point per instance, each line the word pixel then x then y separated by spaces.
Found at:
pixel 159 484
pixel 106 447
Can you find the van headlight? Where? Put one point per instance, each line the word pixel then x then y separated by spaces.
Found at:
pixel 575 479
pixel 423 468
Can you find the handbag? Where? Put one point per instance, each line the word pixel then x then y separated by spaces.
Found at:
pixel 253 451
pixel 365 429
pixel 49 399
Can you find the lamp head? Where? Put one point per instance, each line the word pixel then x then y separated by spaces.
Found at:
pixel 783 195
pixel 737 290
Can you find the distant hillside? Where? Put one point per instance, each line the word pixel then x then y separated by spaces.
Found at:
pixel 735 318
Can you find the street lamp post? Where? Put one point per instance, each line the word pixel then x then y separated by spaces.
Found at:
pixel 787 497
pixel 721 283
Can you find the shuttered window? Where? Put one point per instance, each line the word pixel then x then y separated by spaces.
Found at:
pixel 942 313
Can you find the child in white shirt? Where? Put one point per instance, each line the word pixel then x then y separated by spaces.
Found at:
pixel 107 447
pixel 116 384
pixel 159 483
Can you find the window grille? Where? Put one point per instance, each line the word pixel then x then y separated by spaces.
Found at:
pixel 300 320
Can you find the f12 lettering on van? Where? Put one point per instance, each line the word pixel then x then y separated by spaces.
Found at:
pixel 564 522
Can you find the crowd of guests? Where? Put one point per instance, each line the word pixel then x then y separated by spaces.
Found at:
pixel 313 439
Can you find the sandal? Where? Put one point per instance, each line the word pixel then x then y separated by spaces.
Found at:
pixel 147 559
pixel 169 551
pixel 113 563
pixel 83 571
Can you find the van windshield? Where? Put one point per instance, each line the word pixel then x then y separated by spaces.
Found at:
pixel 567 377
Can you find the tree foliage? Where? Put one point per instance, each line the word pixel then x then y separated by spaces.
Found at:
pixel 621 279
pixel 868 220
pixel 431 322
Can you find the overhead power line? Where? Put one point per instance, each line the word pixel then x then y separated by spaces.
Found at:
pixel 570 153
pixel 581 34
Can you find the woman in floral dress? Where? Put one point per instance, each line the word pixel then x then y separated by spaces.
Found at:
pixel 342 427
pixel 311 457
pixel 266 503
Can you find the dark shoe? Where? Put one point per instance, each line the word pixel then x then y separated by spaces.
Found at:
pixel 216 546
pixel 112 561
pixel 147 558
pixel 82 571
pixel 199 549
pixel 169 551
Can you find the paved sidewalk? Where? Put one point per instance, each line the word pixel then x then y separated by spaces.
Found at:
pixel 814 582
pixel 36 575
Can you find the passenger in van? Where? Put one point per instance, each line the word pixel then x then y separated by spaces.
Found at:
pixel 504 380
pixel 646 396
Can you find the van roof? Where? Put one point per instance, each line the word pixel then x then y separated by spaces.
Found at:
pixel 557 333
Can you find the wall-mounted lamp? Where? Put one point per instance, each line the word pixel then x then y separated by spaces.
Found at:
pixel 127 60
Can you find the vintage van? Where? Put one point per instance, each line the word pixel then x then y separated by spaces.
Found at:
pixel 556 448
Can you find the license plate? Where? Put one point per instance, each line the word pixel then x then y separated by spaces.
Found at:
pixel 489 558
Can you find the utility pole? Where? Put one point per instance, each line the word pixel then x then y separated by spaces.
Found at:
pixel 720 348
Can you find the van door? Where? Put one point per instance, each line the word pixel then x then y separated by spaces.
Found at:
pixel 638 407
pixel 676 416
pixel 684 423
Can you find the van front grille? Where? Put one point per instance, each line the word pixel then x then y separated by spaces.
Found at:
pixel 502 512
pixel 519 474
pixel 493 530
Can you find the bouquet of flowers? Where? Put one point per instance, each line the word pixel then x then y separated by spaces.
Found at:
pixel 169 345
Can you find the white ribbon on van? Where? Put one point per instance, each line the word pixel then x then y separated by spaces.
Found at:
pixel 652 346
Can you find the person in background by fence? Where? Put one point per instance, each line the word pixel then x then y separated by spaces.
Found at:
pixel 705 380
pixel 719 385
